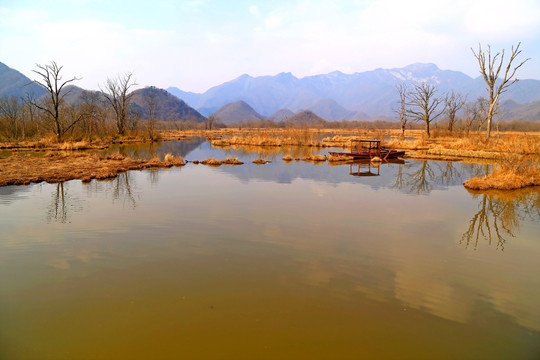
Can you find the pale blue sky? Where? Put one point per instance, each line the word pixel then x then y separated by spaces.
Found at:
pixel 197 44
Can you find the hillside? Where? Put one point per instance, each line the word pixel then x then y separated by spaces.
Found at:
pixel 305 118
pixel 14 83
pixel 169 107
pixel 281 115
pixel 236 112
pixel 330 110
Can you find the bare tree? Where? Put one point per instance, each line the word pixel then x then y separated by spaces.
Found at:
pixel 424 105
pixel 117 94
pixel 402 110
pixel 51 80
pixel 454 102
pixel 92 110
pixel 11 112
pixel 480 112
pixel 211 121
pixel 151 107
pixel 491 69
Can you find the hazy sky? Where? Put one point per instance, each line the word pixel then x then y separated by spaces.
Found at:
pixel 197 44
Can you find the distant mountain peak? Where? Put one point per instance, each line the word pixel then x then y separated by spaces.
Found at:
pixel 421 67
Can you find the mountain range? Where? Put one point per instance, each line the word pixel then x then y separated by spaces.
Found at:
pixel 168 106
pixel 338 96
pixel 369 95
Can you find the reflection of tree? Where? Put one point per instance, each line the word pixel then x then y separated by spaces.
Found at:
pixel 123 190
pixel 62 205
pixel 153 176
pixel 419 181
pixel 58 209
pixel 420 176
pixel 499 215
pixel 448 172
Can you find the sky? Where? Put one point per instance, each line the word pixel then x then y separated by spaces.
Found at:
pixel 197 44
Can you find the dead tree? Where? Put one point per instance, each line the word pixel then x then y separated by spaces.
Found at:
pixel 424 105
pixel 151 103
pixel 454 102
pixel 11 112
pixel 51 80
pixel 117 94
pixel 490 70
pixel 402 110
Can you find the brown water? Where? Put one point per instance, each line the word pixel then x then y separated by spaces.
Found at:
pixel 280 261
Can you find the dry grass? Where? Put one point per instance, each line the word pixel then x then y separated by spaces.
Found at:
pixel 53 168
pixel 260 161
pixel 216 162
pixel 232 161
pixel 287 157
pixel 509 176
pixel 314 157
pixel 211 162
pixel 338 159
pixel 171 160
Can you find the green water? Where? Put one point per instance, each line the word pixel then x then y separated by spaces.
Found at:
pixel 281 261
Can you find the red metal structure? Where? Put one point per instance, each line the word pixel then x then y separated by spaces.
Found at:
pixel 368 149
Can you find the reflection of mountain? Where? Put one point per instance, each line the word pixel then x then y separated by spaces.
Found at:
pixel 149 150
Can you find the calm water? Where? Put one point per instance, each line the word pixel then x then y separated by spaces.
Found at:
pixel 281 261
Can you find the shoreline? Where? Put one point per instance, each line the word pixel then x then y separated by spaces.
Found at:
pixel 74 162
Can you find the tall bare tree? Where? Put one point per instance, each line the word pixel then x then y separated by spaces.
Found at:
pixel 402 109
pixel 117 94
pixel 454 102
pixel 490 69
pixel 151 108
pixel 51 80
pixel 424 104
pixel 92 110
pixel 11 113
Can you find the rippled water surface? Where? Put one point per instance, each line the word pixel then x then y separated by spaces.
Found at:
pixel 280 261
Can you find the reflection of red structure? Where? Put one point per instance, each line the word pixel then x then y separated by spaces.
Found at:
pixel 364 169
pixel 368 149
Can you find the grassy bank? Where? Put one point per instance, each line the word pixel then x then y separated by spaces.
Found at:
pixel 54 168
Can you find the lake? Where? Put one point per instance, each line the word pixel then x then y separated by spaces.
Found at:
pixel 278 261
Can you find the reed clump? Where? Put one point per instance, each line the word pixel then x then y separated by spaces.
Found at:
pixel 232 161
pixel 338 158
pixel 211 162
pixel 171 160
pixel 287 157
pixel 314 157
pixel 260 161
pixel 510 175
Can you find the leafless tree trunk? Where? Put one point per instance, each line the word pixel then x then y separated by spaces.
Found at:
pixel 454 102
pixel 117 94
pixel 402 110
pixel 480 112
pixel 210 122
pixel 90 107
pixel 11 111
pixel 490 70
pixel 151 108
pixel 30 110
pixel 53 84
pixel 424 105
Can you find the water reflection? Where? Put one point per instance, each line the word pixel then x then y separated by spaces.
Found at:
pixel 365 169
pixel 62 205
pixel 124 190
pixel 148 151
pixel 499 215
